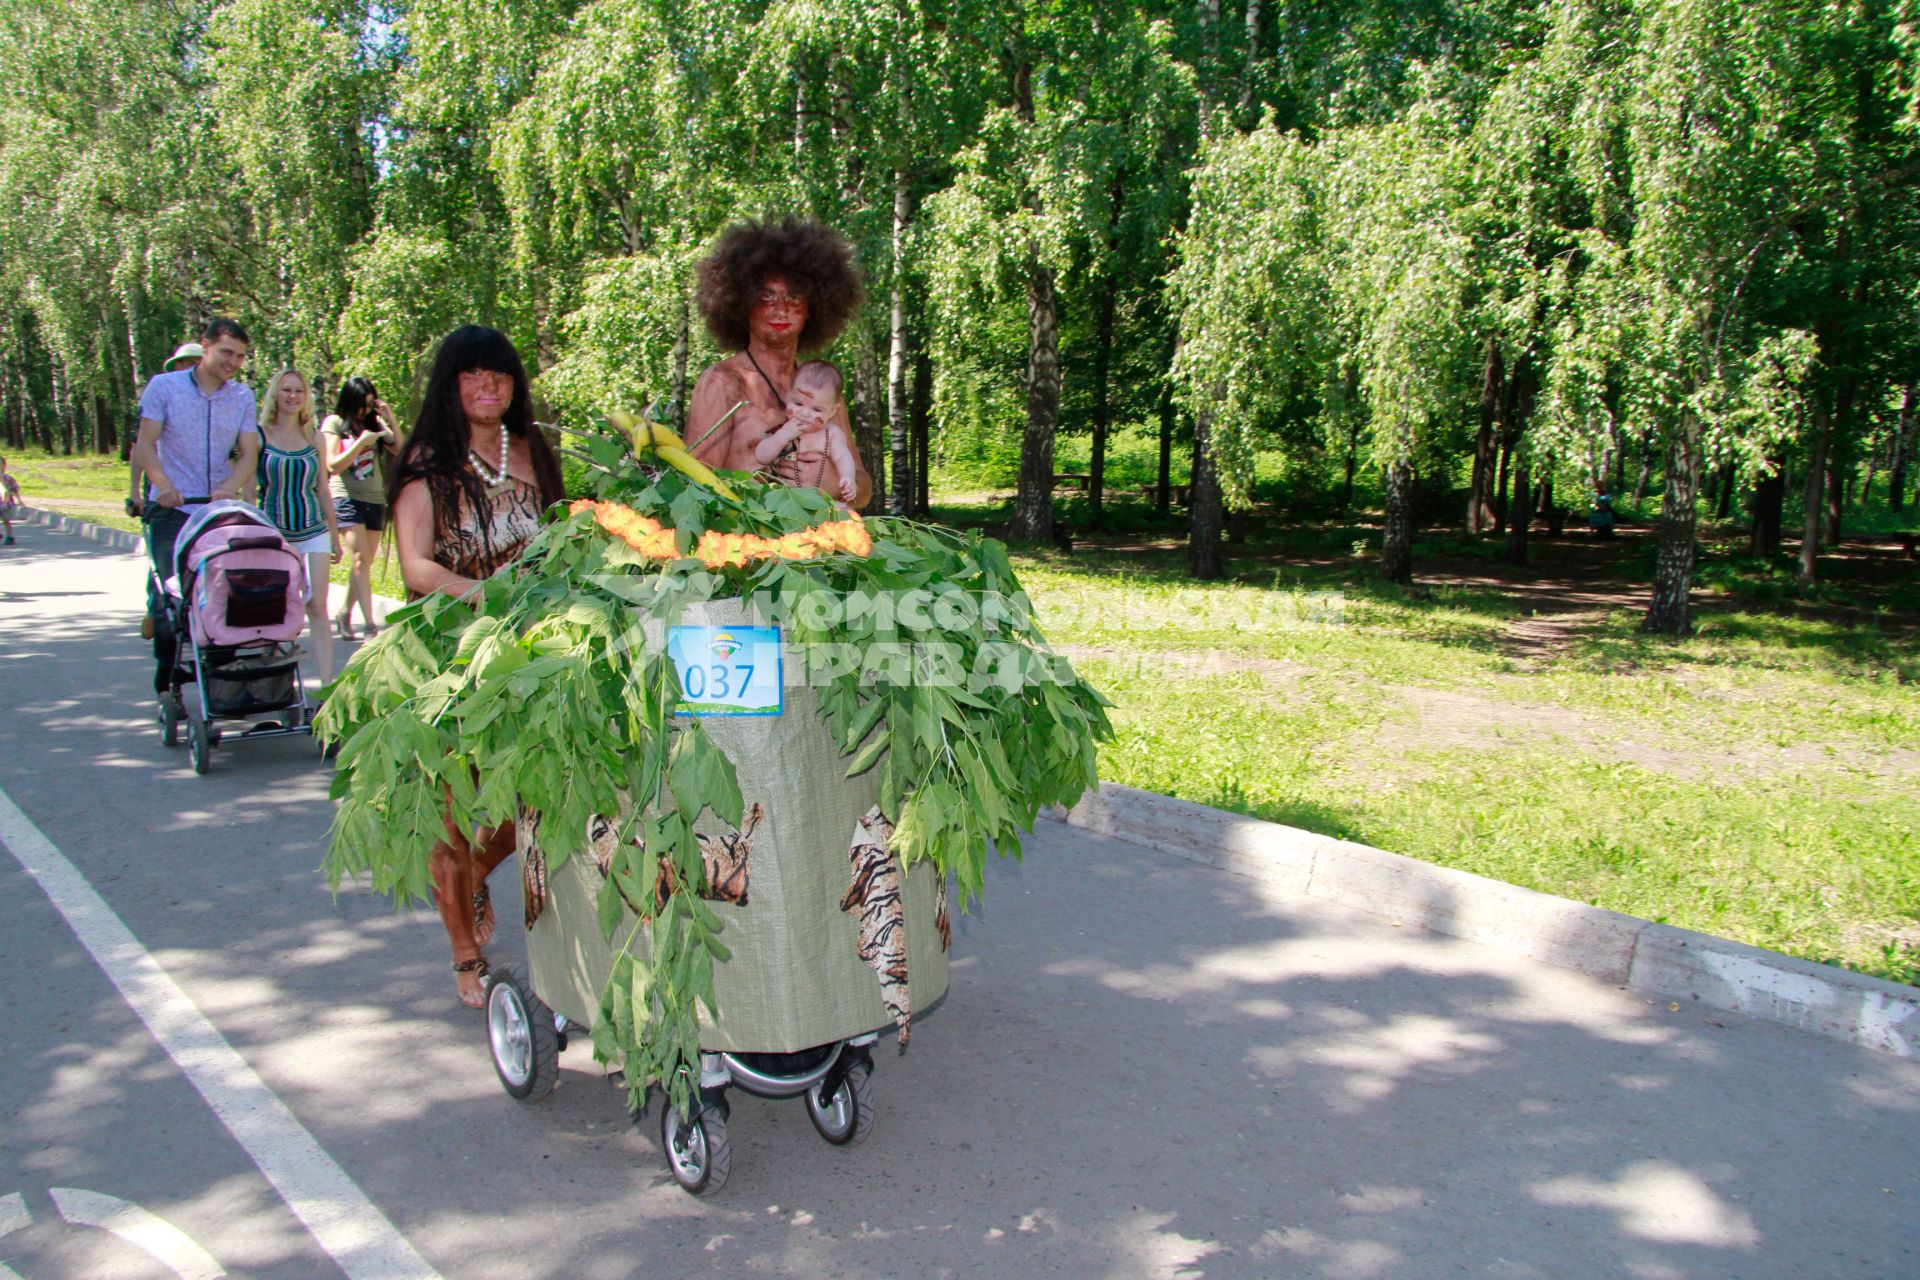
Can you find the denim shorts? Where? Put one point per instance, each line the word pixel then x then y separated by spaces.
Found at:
pixel 352 511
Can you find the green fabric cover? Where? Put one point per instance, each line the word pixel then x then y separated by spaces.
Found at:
pixel 795 978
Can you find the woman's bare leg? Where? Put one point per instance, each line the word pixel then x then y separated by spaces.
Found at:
pixel 366 543
pixel 318 566
pixel 450 863
pixel 493 848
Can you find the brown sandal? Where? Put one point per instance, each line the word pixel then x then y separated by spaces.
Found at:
pixel 476 965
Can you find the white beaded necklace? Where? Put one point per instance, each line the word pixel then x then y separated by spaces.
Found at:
pixel 494 479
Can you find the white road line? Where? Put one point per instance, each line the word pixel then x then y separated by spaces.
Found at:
pixel 346 1224
pixel 13 1216
pixel 167 1244
pixel 13 1213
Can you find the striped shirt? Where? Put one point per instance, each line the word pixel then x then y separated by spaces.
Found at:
pixel 197 430
pixel 287 494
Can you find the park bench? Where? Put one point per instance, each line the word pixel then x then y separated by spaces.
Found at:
pixel 1070 480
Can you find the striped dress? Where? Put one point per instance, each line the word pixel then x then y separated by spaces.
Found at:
pixel 287 491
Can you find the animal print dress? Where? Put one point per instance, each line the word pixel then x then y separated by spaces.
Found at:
pixel 481 541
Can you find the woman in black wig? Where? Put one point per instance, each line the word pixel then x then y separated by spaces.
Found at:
pixel 467 494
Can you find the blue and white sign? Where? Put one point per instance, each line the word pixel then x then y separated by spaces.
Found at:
pixel 727 671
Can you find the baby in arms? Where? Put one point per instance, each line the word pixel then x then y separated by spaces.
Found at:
pixel 816 390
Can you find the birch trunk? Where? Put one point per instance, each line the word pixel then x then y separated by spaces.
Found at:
pixel 1205 558
pixel 921 419
pixel 1033 507
pixel 1769 508
pixel 1480 494
pixel 898 439
pixel 869 394
pixel 1815 486
pixel 1903 443
pixel 1396 539
pixel 1522 512
pixel 1669 613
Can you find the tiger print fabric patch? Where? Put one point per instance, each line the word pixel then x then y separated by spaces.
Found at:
pixel 533 867
pixel 876 895
pixel 725 859
pixel 940 918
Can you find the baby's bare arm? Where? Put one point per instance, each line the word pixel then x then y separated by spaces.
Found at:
pixel 773 442
pixel 840 454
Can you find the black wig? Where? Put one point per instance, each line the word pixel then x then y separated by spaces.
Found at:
pixel 815 260
pixel 436 452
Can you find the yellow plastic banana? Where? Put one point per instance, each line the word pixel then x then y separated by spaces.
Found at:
pixel 695 470
pixel 665 442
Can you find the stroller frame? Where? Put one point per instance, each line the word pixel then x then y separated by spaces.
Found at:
pixel 526 1039
pixel 199 663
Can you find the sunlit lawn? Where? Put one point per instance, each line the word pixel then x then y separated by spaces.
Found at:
pixel 1760 781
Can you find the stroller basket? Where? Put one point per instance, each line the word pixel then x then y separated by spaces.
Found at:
pixel 248 683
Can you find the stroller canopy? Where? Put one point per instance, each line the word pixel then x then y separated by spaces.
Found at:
pixel 223 513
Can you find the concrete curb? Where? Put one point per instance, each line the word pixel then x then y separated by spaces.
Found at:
pixel 118 539
pixel 1656 959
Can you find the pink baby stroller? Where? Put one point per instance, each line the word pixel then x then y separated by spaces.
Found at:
pixel 236 601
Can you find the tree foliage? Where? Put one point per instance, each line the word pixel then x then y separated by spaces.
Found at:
pixel 1554 233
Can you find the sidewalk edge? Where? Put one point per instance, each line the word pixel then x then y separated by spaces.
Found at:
pixel 1655 959
pixel 127 540
pixel 118 539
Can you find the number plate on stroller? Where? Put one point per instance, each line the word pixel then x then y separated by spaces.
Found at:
pixel 727 671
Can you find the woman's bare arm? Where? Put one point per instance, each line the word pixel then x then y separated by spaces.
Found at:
pixel 713 396
pixel 413 538
pixel 322 492
pixel 341 452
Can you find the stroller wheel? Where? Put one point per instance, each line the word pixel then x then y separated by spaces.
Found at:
pixel 169 716
pixel 199 744
pixel 847 1117
pixel 700 1154
pixel 521 1034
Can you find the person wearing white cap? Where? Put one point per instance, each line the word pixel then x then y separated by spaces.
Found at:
pixel 185 356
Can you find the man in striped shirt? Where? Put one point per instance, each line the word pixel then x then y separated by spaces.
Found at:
pixel 190 424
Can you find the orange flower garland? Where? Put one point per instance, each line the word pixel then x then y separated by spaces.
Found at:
pixel 718 550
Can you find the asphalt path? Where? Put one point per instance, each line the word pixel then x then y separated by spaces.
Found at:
pixel 1145 1067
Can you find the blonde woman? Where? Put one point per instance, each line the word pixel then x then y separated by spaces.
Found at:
pixel 293 493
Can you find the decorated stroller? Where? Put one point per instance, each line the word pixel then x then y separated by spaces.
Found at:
pixel 831 945
pixel 234 607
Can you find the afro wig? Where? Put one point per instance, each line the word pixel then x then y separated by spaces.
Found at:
pixel 815 260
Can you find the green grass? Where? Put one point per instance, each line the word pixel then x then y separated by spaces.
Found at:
pixel 1756 781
